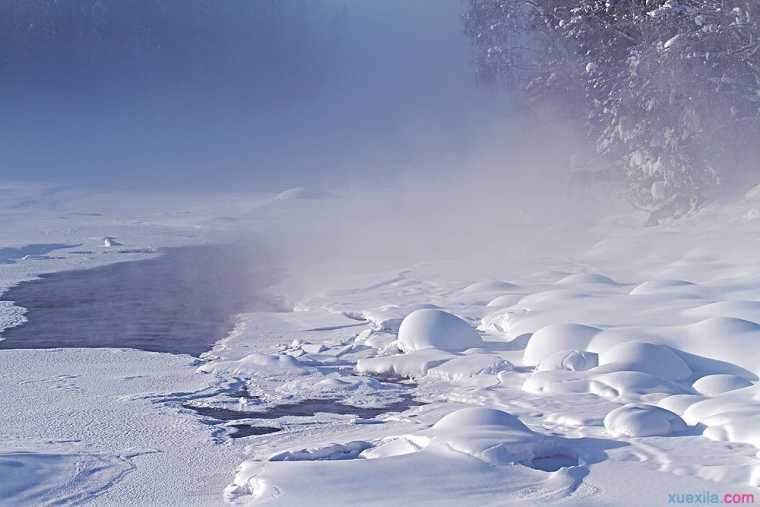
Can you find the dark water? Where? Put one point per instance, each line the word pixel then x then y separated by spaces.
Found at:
pixel 305 408
pixel 181 302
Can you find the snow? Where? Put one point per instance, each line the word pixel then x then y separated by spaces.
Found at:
pixel 658 360
pixel 635 361
pixel 638 420
pixel 557 338
pixel 573 360
pixel 710 385
pixel 436 329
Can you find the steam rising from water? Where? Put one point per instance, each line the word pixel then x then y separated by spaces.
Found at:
pixel 373 101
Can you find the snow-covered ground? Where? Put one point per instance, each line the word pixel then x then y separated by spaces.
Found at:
pixel 622 374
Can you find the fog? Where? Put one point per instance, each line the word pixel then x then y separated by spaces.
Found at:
pixel 374 101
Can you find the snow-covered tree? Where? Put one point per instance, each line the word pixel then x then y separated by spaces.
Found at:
pixel 669 90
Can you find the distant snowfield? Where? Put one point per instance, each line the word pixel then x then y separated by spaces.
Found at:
pixel 619 376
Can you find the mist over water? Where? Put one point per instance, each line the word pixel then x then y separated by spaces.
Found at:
pixel 376 101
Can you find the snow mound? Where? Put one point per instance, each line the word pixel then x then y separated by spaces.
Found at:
pixel 469 366
pixel 731 416
pixel 572 360
pixel 721 326
pixel 632 386
pixel 587 279
pixel 492 436
pixel 436 329
pixel 657 360
pixel 466 418
pixel 489 286
pixel 256 364
pixel 504 301
pixel 556 338
pixel 639 420
pixel 389 317
pixel 410 365
pixel 303 193
pixel 679 403
pixel 719 384
pixel 655 286
pixel 747 310
pixel 552 297
pixel 556 382
pixel 351 450
pixel 753 194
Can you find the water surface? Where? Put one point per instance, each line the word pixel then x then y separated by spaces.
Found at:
pixel 180 302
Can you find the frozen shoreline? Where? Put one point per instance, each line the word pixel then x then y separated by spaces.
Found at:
pixel 631 384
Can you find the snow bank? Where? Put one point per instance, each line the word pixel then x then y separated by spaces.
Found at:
pixel 638 420
pixel 436 329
